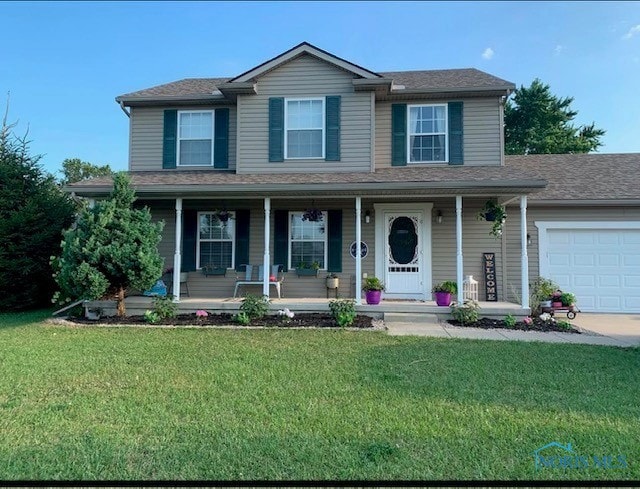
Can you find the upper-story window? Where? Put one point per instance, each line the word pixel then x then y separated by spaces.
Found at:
pixel 427 141
pixel 195 138
pixel 304 128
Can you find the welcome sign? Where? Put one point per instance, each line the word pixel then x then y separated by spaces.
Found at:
pixel 490 281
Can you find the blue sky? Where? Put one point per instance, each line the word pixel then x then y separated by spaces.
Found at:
pixel 65 62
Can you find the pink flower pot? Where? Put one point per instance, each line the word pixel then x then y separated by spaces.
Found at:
pixel 373 296
pixel 557 305
pixel 443 298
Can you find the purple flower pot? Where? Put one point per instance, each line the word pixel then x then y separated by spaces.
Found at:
pixel 443 298
pixel 373 296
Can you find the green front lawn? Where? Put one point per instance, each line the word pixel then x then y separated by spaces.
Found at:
pixel 116 403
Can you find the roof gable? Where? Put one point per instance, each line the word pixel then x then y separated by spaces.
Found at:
pixel 299 50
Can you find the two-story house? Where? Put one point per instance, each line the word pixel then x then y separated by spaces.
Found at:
pixel 400 162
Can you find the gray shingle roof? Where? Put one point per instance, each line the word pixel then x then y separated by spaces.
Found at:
pixel 583 176
pixel 411 80
pixel 443 79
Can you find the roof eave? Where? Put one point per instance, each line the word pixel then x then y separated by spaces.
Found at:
pixel 173 100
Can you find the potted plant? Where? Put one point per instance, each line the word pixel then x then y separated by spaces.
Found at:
pixel 312 215
pixel 567 299
pixel 210 269
pixel 304 269
pixel 556 299
pixel 333 281
pixel 222 215
pixel 373 289
pixel 496 213
pixel 443 292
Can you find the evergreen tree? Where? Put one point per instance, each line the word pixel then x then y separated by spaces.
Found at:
pixel 537 122
pixel 33 213
pixel 76 170
pixel 112 247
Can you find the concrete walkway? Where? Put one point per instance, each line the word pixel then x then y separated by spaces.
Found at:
pixel 598 329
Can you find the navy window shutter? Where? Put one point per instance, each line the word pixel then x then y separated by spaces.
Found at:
pixel 221 139
pixel 169 141
pixel 332 134
pixel 242 237
pixel 398 134
pixel 335 241
pixel 276 129
pixel 281 238
pixel 456 142
pixel 189 237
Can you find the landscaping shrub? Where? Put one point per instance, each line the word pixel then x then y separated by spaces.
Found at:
pixel 510 320
pixel 164 307
pixel 242 318
pixel 254 306
pixel 467 313
pixel 343 311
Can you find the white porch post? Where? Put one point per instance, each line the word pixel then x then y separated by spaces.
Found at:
pixel 524 257
pixel 267 258
pixel 177 257
pixel 459 261
pixel 358 257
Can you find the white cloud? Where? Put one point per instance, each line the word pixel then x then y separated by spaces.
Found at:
pixel 559 48
pixel 487 53
pixel 632 32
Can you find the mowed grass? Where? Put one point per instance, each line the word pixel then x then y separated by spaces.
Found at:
pixel 152 404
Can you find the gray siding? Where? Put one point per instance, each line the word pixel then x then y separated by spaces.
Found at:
pixel 305 77
pixel 146 134
pixel 482 131
pixel 476 240
pixel 556 213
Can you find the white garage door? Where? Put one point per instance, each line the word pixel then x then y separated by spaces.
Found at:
pixel 600 266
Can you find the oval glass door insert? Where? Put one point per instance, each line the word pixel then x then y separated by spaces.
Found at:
pixel 403 240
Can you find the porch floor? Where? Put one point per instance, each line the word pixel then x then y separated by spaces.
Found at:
pixel 313 304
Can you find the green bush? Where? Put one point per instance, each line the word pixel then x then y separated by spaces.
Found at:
pixel 151 316
pixel 343 311
pixel 510 320
pixel 447 286
pixel 541 290
pixel 467 313
pixel 564 324
pixel 254 306
pixel 242 318
pixel 164 307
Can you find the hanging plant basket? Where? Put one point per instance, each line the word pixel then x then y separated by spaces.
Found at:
pixel 312 215
pixel 496 213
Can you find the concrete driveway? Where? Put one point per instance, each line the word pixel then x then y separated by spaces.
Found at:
pixel 622 327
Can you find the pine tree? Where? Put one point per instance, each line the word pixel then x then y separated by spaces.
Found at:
pixel 113 247
pixel 537 122
pixel 33 213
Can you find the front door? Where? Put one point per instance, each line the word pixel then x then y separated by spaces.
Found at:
pixel 403 254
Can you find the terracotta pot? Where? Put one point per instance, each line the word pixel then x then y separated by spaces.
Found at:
pixel 443 298
pixel 373 296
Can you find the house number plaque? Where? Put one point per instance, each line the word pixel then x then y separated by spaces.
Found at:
pixel 490 285
pixel 364 249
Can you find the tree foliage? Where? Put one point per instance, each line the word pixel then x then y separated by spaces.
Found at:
pixel 75 170
pixel 113 247
pixel 33 213
pixel 537 122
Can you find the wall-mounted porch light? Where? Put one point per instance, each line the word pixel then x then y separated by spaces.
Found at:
pixel 528 239
pixel 367 216
pixel 439 217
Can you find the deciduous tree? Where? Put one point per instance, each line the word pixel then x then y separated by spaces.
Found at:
pixel 537 122
pixel 76 170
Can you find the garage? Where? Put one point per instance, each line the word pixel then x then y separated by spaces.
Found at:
pixel 598 261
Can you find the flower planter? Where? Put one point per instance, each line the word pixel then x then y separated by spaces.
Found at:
pixel 490 216
pixel 306 272
pixel 332 283
pixel 206 271
pixel 443 298
pixel 373 296
pixel 556 304
pixel 545 304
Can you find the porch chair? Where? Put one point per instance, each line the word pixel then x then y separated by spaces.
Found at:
pixel 247 278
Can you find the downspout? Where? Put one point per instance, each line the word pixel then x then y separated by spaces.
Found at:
pixel 127 113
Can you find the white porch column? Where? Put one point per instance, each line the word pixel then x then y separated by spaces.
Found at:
pixel 267 258
pixel 459 261
pixel 524 257
pixel 358 257
pixel 177 257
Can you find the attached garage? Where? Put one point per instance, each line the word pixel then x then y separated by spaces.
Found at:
pixel 599 261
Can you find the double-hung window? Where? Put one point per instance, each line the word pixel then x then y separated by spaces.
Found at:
pixel 427 138
pixel 304 128
pixel 195 138
pixel 216 240
pixel 307 241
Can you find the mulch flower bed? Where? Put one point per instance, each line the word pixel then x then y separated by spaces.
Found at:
pixel 537 325
pixel 304 320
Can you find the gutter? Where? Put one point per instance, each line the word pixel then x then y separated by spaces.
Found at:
pixel 126 112
pixel 584 202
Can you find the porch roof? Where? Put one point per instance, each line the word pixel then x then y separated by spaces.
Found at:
pixel 441 180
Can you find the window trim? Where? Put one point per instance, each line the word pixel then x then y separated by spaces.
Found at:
pixel 179 139
pixel 325 215
pixel 446 135
pixel 232 215
pixel 286 129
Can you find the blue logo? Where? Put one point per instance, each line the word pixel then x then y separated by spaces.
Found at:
pixel 565 457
